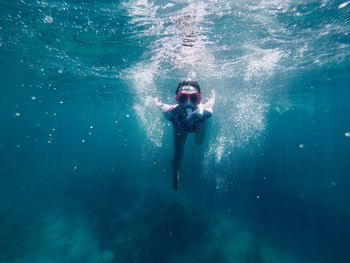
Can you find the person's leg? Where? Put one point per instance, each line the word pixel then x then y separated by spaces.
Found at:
pixel 200 134
pixel 179 146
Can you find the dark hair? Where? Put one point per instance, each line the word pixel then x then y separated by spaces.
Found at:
pixel 188 83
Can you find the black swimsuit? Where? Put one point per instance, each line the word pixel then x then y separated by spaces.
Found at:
pixel 178 118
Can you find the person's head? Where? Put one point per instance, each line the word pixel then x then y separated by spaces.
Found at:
pixel 188 94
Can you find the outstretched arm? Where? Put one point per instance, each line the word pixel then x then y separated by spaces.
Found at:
pixel 210 103
pixel 165 108
pixel 162 106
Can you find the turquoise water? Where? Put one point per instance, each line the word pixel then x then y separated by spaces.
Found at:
pixel 85 160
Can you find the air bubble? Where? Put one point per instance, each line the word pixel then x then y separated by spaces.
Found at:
pixel 48 20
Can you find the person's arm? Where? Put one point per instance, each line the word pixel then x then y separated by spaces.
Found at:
pixel 208 106
pixel 165 108
pixel 162 106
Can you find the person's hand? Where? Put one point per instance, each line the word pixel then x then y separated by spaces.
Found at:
pixel 212 93
pixel 156 101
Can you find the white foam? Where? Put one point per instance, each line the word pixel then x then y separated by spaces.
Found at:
pixel 261 62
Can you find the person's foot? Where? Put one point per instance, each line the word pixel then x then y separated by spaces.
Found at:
pixel 176 181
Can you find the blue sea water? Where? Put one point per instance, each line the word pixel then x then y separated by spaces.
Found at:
pixel 85 159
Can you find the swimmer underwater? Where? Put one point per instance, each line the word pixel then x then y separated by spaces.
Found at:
pixel 189 115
